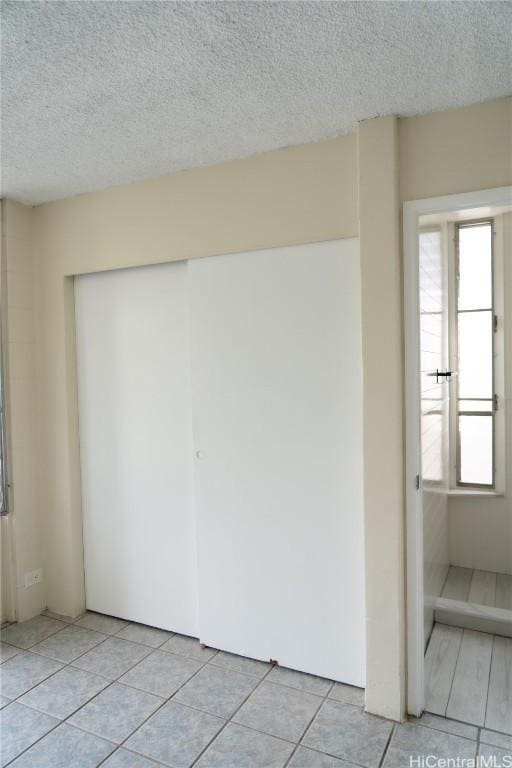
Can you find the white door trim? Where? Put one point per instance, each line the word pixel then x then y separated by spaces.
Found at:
pixel 500 196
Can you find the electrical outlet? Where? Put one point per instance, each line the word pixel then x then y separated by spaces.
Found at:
pixel 34 577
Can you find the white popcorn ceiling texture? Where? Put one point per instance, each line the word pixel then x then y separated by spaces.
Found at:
pixel 101 93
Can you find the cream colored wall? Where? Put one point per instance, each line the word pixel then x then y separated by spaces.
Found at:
pixel 480 528
pixel 383 457
pixel 291 196
pixel 7 600
pixel 460 150
pixel 22 531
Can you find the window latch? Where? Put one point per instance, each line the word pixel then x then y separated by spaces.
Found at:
pixel 442 374
pixel 495 402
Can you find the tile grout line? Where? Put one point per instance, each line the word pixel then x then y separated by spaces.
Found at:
pixel 454 673
pixel 64 665
pixel 489 680
pixel 211 661
pixel 164 702
pixel 299 742
pixel 110 683
pixel 59 721
pixel 386 748
pixel 230 719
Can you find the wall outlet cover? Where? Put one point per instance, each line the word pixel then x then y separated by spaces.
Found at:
pixel 34 577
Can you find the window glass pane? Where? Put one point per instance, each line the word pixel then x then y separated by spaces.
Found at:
pixel 475 267
pixel 475 433
pixel 476 405
pixel 430 277
pixel 475 354
pixel 432 447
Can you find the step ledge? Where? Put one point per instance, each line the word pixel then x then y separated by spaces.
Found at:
pixel 483 618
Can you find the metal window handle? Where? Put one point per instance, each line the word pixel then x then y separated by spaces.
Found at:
pixel 442 374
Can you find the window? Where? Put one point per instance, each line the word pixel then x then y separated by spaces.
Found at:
pixel 476 323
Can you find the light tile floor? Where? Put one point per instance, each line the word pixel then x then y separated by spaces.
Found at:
pixel 101 691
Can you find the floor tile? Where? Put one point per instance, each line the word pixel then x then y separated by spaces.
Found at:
pixel 122 758
pixel 61 694
pixel 188 646
pixel 4 701
pixel 348 693
pixel 309 758
pixel 21 727
pixel 112 658
pixel 345 731
pixel 278 711
pixel 65 747
pixel 410 742
pixel 498 714
pixel 447 725
pixel 60 616
pixel 239 747
pixel 7 652
pixel 25 670
pixel 494 756
pixel 241 664
pixel 496 739
pixel 468 695
pixel 30 632
pixel 217 691
pixel 69 644
pixel 175 735
pixel 300 680
pixel 116 712
pixel 109 625
pixel 139 633
pixel 161 673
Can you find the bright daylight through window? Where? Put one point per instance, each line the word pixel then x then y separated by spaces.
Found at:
pixel 476 402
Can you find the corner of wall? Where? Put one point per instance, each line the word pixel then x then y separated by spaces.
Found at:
pixel 381 282
pixel 24 521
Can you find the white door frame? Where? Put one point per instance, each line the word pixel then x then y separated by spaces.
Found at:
pixel 500 196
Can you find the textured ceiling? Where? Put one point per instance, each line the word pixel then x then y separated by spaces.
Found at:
pixel 101 93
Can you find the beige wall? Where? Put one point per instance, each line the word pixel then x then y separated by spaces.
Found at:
pixel 22 531
pixel 290 196
pixel 295 195
pixel 460 150
pixel 383 457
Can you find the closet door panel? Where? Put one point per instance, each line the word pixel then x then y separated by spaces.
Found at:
pixel 132 333
pixel 276 372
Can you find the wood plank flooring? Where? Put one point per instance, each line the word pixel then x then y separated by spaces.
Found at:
pixel 481 587
pixel 468 677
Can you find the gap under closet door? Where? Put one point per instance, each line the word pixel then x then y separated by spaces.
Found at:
pixel 133 345
pixel 276 373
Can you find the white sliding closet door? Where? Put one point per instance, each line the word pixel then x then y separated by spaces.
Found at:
pixel 136 445
pixel 276 372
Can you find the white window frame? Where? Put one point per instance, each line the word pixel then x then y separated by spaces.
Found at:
pixel 498 486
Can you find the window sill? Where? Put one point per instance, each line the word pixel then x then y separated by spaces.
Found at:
pixel 475 493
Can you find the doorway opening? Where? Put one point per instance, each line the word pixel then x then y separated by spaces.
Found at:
pixel 458 310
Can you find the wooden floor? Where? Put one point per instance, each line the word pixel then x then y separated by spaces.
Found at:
pixel 468 677
pixel 481 587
